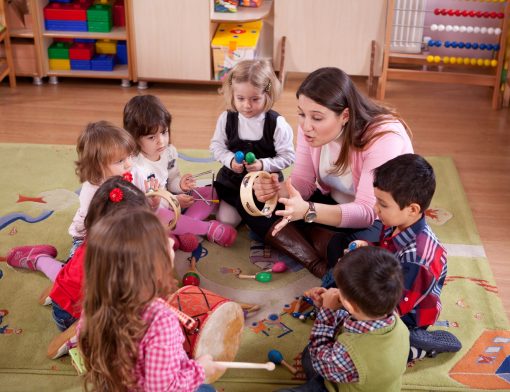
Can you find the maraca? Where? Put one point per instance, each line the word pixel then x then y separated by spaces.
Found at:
pixel 239 157
pixel 279 266
pixel 191 278
pixel 263 277
pixel 276 357
pixel 250 158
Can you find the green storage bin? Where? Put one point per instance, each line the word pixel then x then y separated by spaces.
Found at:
pixel 99 13
pixel 99 27
pixel 59 50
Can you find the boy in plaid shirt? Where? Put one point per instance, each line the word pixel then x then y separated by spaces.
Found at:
pixel 357 342
pixel 403 188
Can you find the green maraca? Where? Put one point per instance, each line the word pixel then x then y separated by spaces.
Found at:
pixel 262 277
pixel 250 158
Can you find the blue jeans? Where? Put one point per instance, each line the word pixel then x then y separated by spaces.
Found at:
pixel 76 243
pixel 62 318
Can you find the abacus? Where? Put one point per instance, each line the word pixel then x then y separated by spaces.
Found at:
pixel 463 44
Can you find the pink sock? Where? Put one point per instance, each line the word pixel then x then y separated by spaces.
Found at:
pixel 48 266
pixel 185 223
pixel 200 209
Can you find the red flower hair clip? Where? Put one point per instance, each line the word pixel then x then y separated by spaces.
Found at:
pixel 116 195
pixel 127 176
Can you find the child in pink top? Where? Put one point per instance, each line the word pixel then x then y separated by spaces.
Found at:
pixel 129 338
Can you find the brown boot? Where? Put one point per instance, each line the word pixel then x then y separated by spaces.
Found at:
pixel 290 241
pixel 319 237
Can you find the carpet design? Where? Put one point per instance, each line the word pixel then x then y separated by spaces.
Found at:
pixel 39 198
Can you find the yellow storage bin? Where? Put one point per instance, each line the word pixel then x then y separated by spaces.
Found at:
pixel 106 46
pixel 232 43
pixel 60 64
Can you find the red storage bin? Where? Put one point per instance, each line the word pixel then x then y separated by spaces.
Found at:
pixel 119 13
pixel 82 51
pixel 60 11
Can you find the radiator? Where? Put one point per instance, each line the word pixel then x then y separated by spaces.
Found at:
pixel 408 23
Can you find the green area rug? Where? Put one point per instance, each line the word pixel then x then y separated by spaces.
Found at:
pixel 38 200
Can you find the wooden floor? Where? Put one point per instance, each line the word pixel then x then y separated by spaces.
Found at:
pixel 445 119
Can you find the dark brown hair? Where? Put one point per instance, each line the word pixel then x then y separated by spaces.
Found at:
pixel 334 89
pixel 370 277
pixel 127 265
pixel 145 115
pixel 100 144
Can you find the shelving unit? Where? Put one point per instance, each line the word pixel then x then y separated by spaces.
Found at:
pixel 26 43
pixel 189 28
pixel 6 64
pixel 123 72
pixel 418 67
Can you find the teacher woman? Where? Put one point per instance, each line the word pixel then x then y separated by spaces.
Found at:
pixel 342 137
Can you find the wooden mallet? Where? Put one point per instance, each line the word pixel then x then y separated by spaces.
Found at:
pixel 276 357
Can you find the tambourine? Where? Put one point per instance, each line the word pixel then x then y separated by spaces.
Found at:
pixel 172 201
pixel 247 195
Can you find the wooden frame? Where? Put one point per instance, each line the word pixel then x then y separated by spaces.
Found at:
pixel 391 61
pixel 7 64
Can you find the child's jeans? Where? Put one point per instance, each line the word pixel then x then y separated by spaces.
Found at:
pixel 62 318
pixel 77 241
pixel 205 388
pixel 314 383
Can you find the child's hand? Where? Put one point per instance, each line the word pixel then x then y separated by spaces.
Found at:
pixel 236 167
pixel 209 365
pixel 355 245
pixel 185 200
pixel 152 185
pixel 187 182
pixel 315 293
pixel 255 166
pixel 331 299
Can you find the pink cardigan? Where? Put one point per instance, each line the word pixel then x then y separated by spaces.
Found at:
pixel 359 213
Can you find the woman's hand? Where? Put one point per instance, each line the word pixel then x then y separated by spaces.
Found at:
pixel 236 167
pixel 255 166
pixel 187 182
pixel 295 207
pixel 185 200
pixel 265 189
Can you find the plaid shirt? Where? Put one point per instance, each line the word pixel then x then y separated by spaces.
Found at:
pixel 330 358
pixel 162 363
pixel 423 261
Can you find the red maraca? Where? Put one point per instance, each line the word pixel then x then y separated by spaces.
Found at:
pixel 191 278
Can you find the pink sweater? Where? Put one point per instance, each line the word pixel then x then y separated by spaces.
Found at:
pixel 359 213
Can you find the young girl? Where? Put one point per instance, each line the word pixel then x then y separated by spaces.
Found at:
pixel 114 195
pixel 148 121
pixel 128 336
pixel 249 125
pixel 104 150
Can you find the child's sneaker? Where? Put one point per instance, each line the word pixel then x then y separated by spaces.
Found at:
pixel 438 341
pixel 221 233
pixel 26 256
pixel 63 342
pixel 188 242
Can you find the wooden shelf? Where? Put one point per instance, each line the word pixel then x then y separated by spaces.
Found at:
pixel 4 69
pixel 21 33
pixel 119 72
pixel 243 14
pixel 118 33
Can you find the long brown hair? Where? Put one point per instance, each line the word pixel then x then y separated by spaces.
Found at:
pixel 333 88
pixel 127 265
pixel 100 144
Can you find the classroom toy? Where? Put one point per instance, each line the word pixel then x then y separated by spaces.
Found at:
pixel 121 57
pixel 59 50
pixel 276 357
pixel 65 25
pixel 246 194
pixel 225 5
pixel 239 157
pixel 278 267
pixel 60 64
pixel 119 13
pixel 250 3
pixel 58 11
pixel 99 18
pixel 103 62
pixel 250 158
pixel 191 277
pixel 234 42
pixel 106 46
pixel 262 277
pixel 81 65
pixel 81 51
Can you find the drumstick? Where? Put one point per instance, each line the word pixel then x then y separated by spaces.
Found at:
pixel 247 365
pixel 202 174
pixel 249 307
pixel 202 197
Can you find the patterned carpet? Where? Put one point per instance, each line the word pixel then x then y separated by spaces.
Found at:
pixel 38 200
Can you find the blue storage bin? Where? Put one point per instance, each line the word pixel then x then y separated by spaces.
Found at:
pixel 85 40
pixel 82 65
pixel 121 57
pixel 103 62
pixel 66 25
